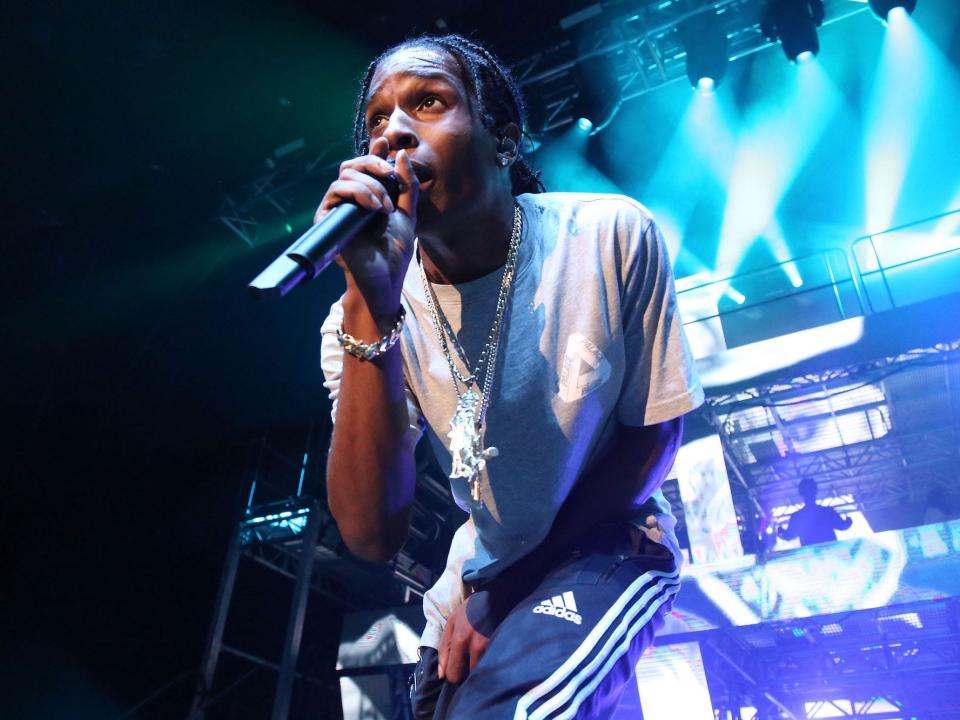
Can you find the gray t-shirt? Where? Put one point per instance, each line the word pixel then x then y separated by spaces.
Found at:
pixel 591 338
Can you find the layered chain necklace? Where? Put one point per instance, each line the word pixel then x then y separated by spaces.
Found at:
pixel 469 456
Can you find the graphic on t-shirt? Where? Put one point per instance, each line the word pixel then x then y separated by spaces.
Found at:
pixel 584 369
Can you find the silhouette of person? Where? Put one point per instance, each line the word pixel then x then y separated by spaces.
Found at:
pixel 813 523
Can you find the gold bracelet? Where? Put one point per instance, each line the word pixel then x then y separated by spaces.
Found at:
pixel 369 351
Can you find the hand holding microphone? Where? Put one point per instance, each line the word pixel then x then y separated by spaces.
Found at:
pixel 368 217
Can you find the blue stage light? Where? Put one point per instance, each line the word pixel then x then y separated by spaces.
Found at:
pixel 890 10
pixel 598 93
pixel 738 297
pixel 805 57
pixel 904 90
pixel 896 14
pixel 794 23
pixel 705 42
pixel 585 125
pixel 706 85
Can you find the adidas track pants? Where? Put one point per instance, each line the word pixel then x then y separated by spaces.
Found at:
pixel 569 648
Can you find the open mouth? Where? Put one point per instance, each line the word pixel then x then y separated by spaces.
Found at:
pixel 424 174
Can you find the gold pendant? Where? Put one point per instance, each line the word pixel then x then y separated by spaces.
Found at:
pixel 467 453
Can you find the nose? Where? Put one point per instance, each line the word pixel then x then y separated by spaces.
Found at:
pixel 400 132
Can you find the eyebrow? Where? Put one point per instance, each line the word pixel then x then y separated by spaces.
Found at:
pixel 425 75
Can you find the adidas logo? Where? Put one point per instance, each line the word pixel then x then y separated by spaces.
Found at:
pixel 561 606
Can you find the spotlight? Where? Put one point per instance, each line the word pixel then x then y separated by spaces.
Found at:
pixel 598 94
pixel 794 23
pixel 885 9
pixel 706 44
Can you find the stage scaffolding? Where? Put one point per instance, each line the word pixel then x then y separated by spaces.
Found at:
pixel 285 526
pixel 880 436
pixel 873 664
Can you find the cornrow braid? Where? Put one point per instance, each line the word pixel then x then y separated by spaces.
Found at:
pixel 490 86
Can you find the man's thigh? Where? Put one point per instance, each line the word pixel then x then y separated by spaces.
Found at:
pixel 569 648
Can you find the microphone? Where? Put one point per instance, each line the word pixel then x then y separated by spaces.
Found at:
pixel 313 252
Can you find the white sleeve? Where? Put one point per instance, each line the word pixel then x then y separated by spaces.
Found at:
pixel 661 380
pixel 331 362
pixel 447 593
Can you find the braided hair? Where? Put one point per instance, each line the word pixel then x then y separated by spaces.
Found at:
pixel 489 84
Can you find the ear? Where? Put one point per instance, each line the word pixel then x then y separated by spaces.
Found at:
pixel 510 132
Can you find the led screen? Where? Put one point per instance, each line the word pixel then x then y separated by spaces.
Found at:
pixel 883 569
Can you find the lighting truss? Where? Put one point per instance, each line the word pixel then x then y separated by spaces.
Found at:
pixel 916 449
pixel 645 48
pixel 270 199
pixel 845 666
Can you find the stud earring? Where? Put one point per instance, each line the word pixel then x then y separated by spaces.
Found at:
pixel 503 160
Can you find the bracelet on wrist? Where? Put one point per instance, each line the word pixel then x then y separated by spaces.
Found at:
pixel 369 351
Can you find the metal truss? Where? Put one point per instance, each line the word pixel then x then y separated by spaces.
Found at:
pixel 916 450
pixel 800 670
pixel 272 197
pixel 295 536
pixel 877 472
pixel 643 46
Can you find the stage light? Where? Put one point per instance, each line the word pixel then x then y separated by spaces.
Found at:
pixel 805 57
pixel 738 297
pixel 705 42
pixel 598 93
pixel 888 10
pixel 794 23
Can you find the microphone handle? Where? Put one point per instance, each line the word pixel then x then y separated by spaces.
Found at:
pixel 315 250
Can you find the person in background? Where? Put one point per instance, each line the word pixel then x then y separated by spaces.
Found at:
pixel 813 523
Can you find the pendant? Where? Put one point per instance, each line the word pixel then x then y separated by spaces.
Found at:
pixel 468 455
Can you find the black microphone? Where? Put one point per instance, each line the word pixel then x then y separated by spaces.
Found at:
pixel 315 249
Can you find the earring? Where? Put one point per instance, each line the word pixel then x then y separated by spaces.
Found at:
pixel 506 148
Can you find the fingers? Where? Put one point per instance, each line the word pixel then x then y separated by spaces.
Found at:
pixel 458 662
pixel 444 649
pixel 478 646
pixel 451 665
pixel 358 182
pixel 355 186
pixel 410 186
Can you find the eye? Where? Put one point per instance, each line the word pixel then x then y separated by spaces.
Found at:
pixel 374 122
pixel 429 102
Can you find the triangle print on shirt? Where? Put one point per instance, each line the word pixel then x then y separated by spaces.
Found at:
pixel 584 369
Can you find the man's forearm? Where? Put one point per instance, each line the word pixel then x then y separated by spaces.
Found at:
pixel 370 471
pixel 620 483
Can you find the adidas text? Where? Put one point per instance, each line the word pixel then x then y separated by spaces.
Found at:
pixel 562 606
pixel 558 612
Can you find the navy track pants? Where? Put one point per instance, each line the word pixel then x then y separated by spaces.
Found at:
pixel 569 648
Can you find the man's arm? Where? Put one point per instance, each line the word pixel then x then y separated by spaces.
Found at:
pixel 841 522
pixel 636 465
pixel 788 532
pixel 371 471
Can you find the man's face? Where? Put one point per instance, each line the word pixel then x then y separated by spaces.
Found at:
pixel 417 101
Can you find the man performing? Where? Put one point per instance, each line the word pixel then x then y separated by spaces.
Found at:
pixel 534 338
